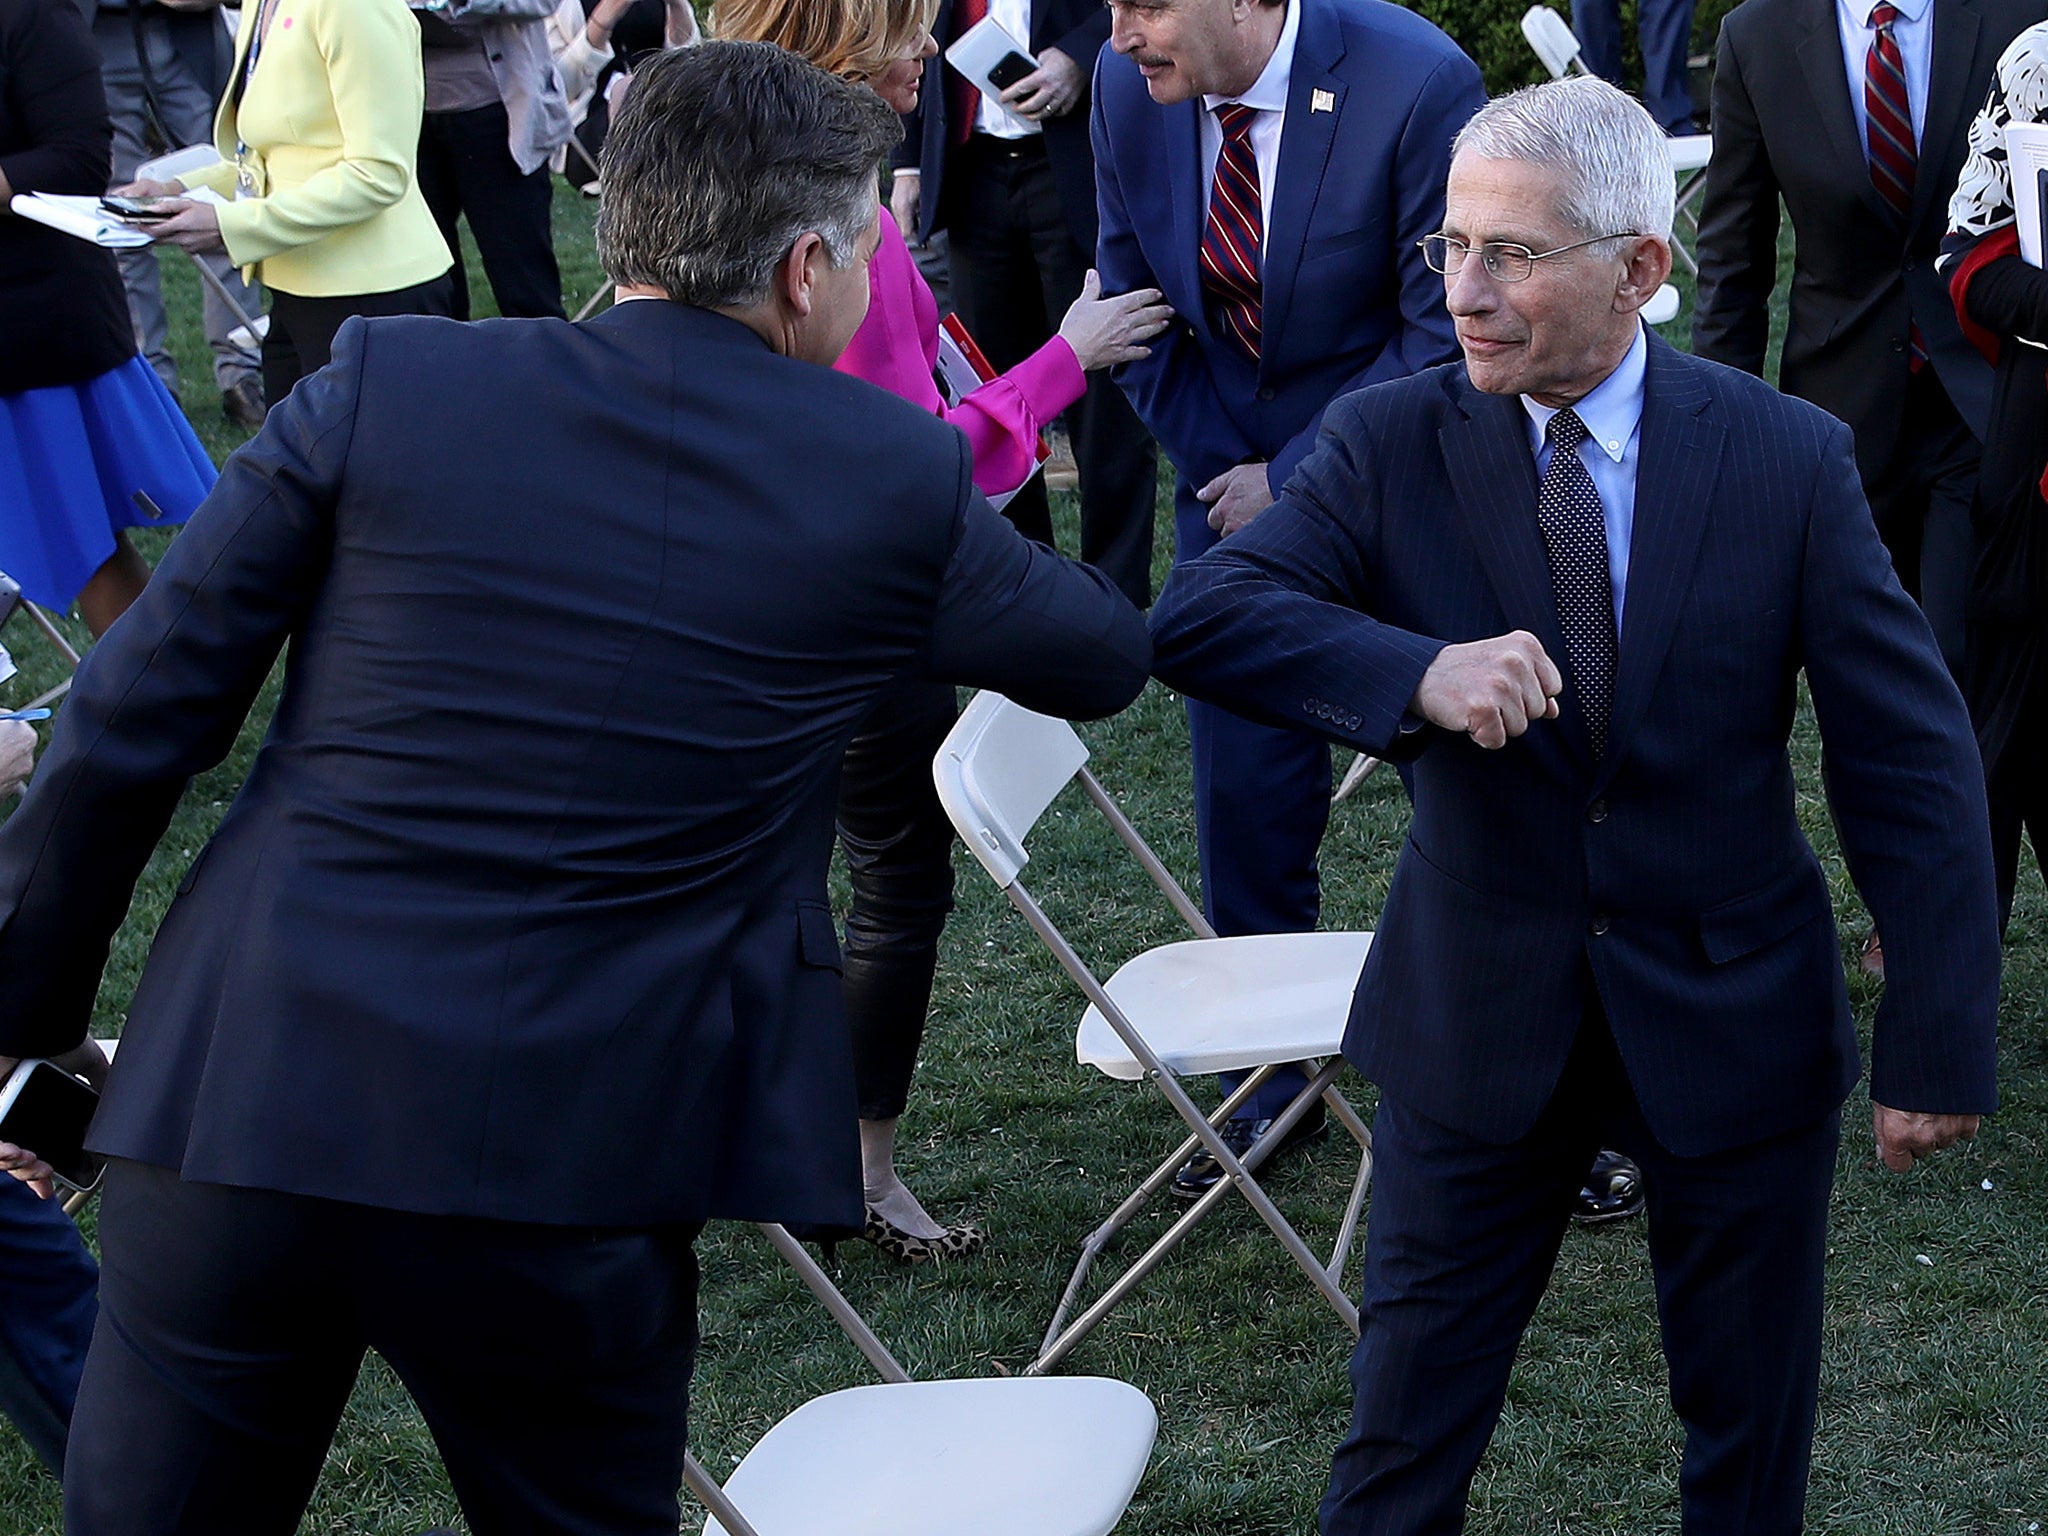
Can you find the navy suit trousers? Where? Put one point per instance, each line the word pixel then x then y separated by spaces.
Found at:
pixel 1459 1248
pixel 551 1363
pixel 48 1290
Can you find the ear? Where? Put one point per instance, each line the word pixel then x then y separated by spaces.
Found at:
pixel 796 275
pixel 1646 264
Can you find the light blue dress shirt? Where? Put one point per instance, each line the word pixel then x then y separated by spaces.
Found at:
pixel 1613 414
pixel 1913 32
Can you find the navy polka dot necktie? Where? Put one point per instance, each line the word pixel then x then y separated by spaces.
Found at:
pixel 1575 532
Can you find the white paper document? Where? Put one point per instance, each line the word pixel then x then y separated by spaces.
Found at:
pixel 84 219
pixel 2026 156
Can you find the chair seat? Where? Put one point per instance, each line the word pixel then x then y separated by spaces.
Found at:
pixel 1690 151
pixel 1221 1005
pixel 1052 1456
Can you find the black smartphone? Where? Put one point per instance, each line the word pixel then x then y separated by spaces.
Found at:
pixel 10 597
pixel 136 210
pixel 1009 69
pixel 46 1109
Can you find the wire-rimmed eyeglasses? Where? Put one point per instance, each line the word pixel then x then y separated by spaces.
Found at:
pixel 1505 262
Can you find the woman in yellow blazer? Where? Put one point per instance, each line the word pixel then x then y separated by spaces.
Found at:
pixel 318 134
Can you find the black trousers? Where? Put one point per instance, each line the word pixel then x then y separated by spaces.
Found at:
pixel 2016 785
pixel 1016 269
pixel 899 860
pixel 301 338
pixel 1921 502
pixel 1459 1248
pixel 466 167
pixel 551 1364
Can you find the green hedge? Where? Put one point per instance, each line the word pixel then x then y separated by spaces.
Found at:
pixel 1491 31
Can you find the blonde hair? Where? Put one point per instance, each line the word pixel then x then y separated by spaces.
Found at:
pixel 854 39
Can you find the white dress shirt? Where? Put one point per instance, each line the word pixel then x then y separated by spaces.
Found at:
pixel 1913 32
pixel 991 116
pixel 1613 413
pixel 1269 96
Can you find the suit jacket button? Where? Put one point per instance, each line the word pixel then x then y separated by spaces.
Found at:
pixel 1265 391
pixel 1597 812
pixel 1597 927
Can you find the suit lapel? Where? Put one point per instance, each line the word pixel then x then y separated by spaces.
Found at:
pixel 1315 102
pixel 1954 91
pixel 1180 126
pixel 1486 452
pixel 1827 80
pixel 1676 470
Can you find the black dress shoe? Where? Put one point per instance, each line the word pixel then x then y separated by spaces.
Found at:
pixel 242 402
pixel 1613 1190
pixel 1198 1175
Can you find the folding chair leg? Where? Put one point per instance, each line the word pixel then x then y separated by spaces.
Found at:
pixel 1238 1175
pixel 1100 1239
pixel 820 1283
pixel 707 1492
pixel 51 632
pixel 1354 1207
pixel 220 290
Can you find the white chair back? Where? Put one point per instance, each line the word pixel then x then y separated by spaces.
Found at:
pixel 999 768
pixel 1551 36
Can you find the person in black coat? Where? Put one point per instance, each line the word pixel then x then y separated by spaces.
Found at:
pixel 1871 336
pixel 2003 304
pixel 512 962
pixel 87 424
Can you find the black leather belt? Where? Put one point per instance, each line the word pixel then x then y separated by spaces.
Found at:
pixel 1031 145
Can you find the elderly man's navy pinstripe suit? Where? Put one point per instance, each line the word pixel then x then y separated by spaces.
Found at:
pixel 1636 946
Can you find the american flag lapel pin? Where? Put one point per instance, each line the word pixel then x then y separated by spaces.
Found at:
pixel 1322 101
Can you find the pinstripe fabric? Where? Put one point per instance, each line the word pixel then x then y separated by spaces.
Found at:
pixel 1672 869
pixel 1230 257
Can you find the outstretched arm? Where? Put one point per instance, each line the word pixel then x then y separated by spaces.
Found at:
pixel 160 699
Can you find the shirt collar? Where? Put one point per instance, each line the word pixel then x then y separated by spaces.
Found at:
pixel 1858 11
pixel 1269 91
pixel 1612 409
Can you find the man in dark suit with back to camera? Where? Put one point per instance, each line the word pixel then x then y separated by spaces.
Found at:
pixel 1269 165
pixel 1573 582
pixel 512 963
pixel 1857 113
pixel 1013 186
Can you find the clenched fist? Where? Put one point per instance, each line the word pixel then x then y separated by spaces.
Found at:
pixel 1490 689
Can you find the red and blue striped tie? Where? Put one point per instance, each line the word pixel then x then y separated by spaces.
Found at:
pixel 1230 241
pixel 1894 158
pixel 1888 111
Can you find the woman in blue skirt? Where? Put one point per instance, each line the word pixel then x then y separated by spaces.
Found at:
pixel 87 431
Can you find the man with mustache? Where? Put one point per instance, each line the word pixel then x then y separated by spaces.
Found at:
pixel 1270 165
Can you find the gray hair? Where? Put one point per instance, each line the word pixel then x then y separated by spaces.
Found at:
pixel 722 156
pixel 1615 164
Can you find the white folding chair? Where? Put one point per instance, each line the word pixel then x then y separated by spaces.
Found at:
pixel 1556 45
pixel 1204 1005
pixel 12 602
pixel 1360 770
pixel 1000 1457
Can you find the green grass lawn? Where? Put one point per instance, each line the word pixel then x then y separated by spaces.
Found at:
pixel 1934 1412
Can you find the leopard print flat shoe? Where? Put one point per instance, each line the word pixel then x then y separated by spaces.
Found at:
pixel 957 1242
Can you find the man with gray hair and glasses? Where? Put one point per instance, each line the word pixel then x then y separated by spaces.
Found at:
pixel 1571 583
pixel 512 962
